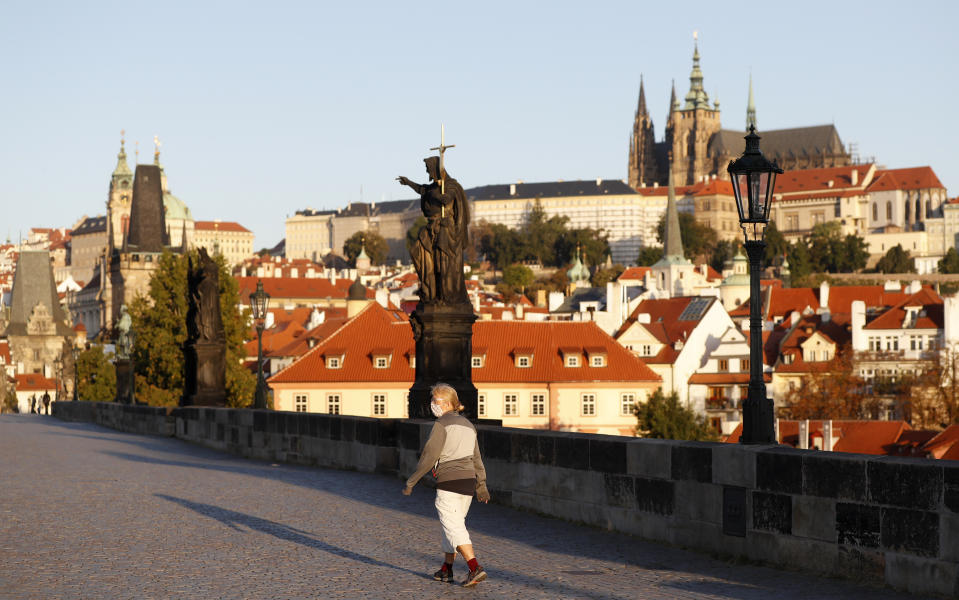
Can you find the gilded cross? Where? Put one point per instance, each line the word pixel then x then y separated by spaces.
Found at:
pixel 442 148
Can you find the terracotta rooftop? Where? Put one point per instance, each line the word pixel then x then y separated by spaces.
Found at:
pixel 854 436
pixel 665 323
pixel 34 382
pixel 912 178
pixel 930 315
pixel 220 226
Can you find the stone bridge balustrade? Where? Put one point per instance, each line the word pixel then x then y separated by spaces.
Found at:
pixel 868 518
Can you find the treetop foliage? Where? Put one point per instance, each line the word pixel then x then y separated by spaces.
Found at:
pixel 663 417
pixel 376 247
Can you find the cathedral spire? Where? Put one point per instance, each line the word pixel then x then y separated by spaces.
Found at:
pixel 641 108
pixel 697 96
pixel 751 106
pixel 673 102
pixel 673 244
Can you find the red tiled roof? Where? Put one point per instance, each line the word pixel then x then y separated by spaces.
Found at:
pixel 836 329
pixel 634 273
pixel 946 442
pixel 664 325
pixel 700 188
pixel 806 180
pixel 375 328
pixel 34 382
pixel 930 317
pixel 841 297
pixel 298 287
pixel 724 378
pixel 911 178
pixel 859 437
pixel 5 351
pixel 220 226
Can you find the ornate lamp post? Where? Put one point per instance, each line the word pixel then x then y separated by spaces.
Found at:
pixel 754 178
pixel 260 303
pixel 76 378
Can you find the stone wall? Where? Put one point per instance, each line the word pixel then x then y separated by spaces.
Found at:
pixel 859 517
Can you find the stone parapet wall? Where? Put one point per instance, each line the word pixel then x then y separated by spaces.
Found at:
pixel 859 517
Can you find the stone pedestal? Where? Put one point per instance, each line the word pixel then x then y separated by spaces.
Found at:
pixel 205 374
pixel 444 348
pixel 124 380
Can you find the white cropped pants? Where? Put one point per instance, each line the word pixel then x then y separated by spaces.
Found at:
pixel 452 509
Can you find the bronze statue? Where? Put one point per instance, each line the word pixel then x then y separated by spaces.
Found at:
pixel 438 252
pixel 203 316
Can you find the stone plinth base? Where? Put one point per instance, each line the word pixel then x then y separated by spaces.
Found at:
pixel 205 374
pixel 124 381
pixel 444 349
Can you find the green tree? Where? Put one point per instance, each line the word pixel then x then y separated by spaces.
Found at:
pixel 98 376
pixel 896 260
pixel 699 239
pixel 593 242
pixel 518 277
pixel 950 262
pixel 723 252
pixel 501 245
pixel 413 233
pixel 649 255
pixel 602 276
pixel 159 320
pixel 663 417
pixel 376 247
pixel 540 234
pixel 776 245
pixel 832 252
pixel 800 263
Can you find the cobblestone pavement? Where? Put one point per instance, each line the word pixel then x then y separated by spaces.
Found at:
pixel 88 512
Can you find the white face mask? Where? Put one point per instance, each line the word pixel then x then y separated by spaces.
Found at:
pixel 437 410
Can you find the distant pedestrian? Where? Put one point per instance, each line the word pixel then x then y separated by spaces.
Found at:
pixel 453 454
pixel 33 404
pixel 46 403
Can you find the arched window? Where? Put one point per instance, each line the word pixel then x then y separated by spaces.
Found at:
pixel 918 209
pixel 889 210
pixel 905 210
pixel 875 212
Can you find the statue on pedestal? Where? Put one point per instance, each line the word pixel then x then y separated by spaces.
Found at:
pixel 205 349
pixel 443 320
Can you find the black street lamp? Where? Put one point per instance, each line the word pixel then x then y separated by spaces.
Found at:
pixel 260 303
pixel 754 178
pixel 76 378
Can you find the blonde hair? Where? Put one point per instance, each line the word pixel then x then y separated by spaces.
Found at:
pixel 444 391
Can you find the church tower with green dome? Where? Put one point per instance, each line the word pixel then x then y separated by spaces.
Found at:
pixel 118 200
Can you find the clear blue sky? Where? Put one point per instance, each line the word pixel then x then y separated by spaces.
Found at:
pixel 266 108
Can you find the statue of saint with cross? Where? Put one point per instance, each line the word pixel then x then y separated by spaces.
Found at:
pixel 438 252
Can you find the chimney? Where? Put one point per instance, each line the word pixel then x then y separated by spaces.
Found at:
pixel 827 438
pixel 520 314
pixel 383 297
pixel 829 183
pixel 824 294
pixel 914 287
pixel 858 323
pixel 476 303
pixel 512 189
pixel 259 272
pixel 541 298
pixel 804 434
pixel 599 181
pixel 794 318
pixel 555 300
pixel 643 318
pixel 854 176
pixel 270 319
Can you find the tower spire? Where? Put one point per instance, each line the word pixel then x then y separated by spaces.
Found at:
pixel 697 96
pixel 673 102
pixel 751 106
pixel 641 108
pixel 122 167
pixel 673 244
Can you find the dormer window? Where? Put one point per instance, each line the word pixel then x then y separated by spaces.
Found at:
pixel 477 362
pixel 597 356
pixel 572 360
pixel 597 361
pixel 332 362
pixel 381 362
pixel 522 361
pixel 523 357
pixel 478 358
pixel 381 358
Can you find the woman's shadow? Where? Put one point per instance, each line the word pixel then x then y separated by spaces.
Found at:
pixel 284 532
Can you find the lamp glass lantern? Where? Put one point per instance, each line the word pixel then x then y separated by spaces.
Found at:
pixel 259 302
pixel 754 178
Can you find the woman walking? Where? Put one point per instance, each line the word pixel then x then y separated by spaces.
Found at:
pixel 453 454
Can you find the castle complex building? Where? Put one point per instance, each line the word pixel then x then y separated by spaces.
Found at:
pixel 696 147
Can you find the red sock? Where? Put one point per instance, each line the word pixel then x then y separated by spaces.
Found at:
pixel 447 567
pixel 473 564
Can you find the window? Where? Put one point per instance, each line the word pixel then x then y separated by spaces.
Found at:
pixel 744 365
pixel 875 344
pixel 477 362
pixel 381 362
pixel 333 362
pixel 792 222
pixel 598 361
pixel 818 218
pixel 510 408
pixel 300 403
pixel 889 211
pixel 626 402
pixel 537 405
pixel 522 361
pixel 481 405
pixel 723 364
pixel 647 350
pixel 589 405
pixel 333 404
pixel 379 405
pixel 875 211
pixel 572 360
